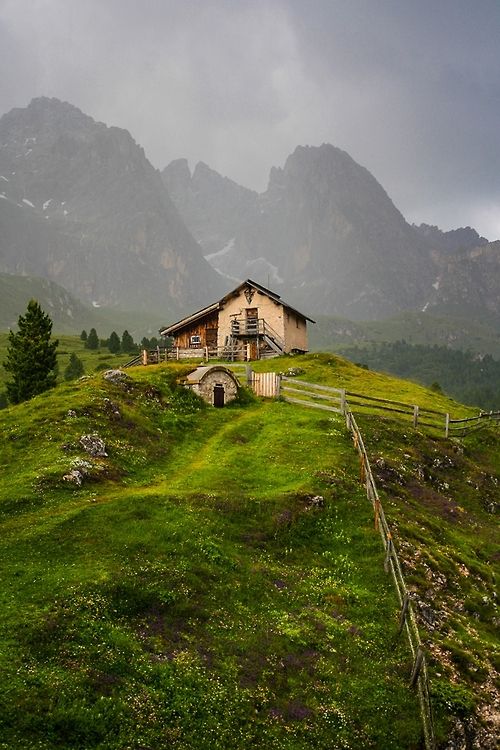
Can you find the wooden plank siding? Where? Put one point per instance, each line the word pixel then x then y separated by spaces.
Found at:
pixel 204 328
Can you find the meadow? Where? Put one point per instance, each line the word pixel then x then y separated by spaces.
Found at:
pixel 192 592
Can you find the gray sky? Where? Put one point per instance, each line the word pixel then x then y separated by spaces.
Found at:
pixel 410 88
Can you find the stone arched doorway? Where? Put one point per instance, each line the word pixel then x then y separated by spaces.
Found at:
pixel 216 385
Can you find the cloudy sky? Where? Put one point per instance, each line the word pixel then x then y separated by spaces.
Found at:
pixel 410 88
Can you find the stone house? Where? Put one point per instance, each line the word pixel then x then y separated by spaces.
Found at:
pixel 250 322
pixel 216 385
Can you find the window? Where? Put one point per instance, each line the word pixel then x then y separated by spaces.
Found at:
pixel 195 340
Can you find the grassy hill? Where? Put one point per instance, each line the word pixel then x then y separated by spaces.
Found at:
pixel 69 314
pixel 185 590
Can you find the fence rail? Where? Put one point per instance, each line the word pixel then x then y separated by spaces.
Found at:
pixel 419 676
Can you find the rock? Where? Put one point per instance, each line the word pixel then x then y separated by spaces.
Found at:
pixel 112 409
pixel 115 376
pixel 318 501
pixel 94 445
pixel 74 476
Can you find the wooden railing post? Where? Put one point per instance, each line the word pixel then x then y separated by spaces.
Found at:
pixel 404 611
pixel 417 666
pixel 447 425
pixel 415 415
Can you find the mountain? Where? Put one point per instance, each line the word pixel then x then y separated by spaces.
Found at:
pixel 326 234
pixel 468 283
pixel 453 241
pixel 81 205
pixel 67 313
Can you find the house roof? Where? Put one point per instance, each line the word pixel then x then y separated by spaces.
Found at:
pixel 168 330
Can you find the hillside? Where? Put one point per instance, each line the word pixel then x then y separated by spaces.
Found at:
pixel 183 588
pixel 68 314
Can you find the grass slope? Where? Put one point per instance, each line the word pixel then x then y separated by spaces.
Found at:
pixel 189 593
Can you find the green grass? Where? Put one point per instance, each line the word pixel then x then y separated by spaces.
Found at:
pixel 189 594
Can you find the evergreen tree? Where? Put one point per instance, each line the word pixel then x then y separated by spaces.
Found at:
pixel 83 335
pixel 74 369
pixel 145 343
pixel 114 345
pixel 92 340
pixel 31 356
pixel 128 345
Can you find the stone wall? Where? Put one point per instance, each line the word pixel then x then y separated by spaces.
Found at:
pixel 205 388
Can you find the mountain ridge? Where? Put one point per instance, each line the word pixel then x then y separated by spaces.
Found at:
pixel 328 232
pixel 112 233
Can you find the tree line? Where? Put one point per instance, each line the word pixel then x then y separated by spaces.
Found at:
pixel 115 344
pixel 468 377
pixel 32 354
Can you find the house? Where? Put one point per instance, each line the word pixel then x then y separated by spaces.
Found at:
pixel 250 322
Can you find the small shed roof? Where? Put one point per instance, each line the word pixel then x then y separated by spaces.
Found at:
pixel 197 375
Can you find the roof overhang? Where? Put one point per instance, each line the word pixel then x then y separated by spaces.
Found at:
pixel 175 327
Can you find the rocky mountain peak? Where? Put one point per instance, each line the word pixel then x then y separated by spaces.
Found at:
pixel 111 234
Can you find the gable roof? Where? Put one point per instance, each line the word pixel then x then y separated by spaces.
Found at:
pixel 169 330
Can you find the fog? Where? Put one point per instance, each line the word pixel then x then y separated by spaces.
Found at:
pixel 410 89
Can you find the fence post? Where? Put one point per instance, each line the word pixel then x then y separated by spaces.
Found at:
pixel 249 375
pixel 206 353
pixel 447 425
pixel 388 552
pixel 144 357
pixel 415 415
pixel 177 353
pixel 343 401
pixel 419 658
pixel 404 611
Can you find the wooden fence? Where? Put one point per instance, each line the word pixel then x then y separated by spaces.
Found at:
pixel 311 394
pixel 335 399
pixel 419 677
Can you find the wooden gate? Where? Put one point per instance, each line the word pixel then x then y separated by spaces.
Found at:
pixel 266 384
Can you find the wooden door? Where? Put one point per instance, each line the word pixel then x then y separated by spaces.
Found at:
pixel 252 319
pixel 211 338
pixel 218 395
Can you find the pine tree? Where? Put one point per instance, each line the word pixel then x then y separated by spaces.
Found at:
pixel 83 335
pixel 74 369
pixel 128 343
pixel 92 340
pixel 31 356
pixel 114 345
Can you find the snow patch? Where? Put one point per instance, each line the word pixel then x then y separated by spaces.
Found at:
pixel 3 178
pixel 95 304
pixel 28 203
pixel 426 305
pixel 264 266
pixel 28 152
pixel 436 284
pixel 65 212
pixel 226 249
pixel 2 195
pixel 46 204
